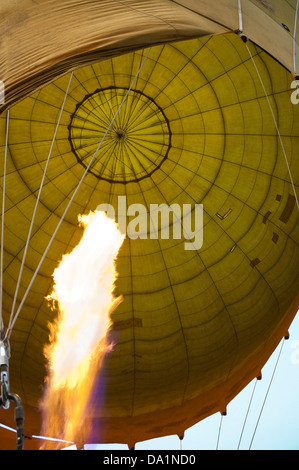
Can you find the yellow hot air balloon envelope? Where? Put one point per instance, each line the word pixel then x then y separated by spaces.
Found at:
pixel 199 126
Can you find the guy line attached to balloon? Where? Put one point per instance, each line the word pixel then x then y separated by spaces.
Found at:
pixel 2 93
pixel 5 395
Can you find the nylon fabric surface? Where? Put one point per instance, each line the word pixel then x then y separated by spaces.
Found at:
pixel 195 326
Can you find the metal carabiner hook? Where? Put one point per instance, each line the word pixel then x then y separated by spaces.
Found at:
pixel 6 396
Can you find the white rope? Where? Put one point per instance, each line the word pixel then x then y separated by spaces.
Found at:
pixel 36 204
pixel 44 438
pixel 2 224
pixel 240 16
pixel 294 37
pixel 269 386
pixel 219 431
pixel 8 332
pixel 247 414
pixel 276 125
pixel 8 428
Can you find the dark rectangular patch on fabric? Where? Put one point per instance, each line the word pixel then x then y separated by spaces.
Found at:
pixel 286 214
pixel 275 237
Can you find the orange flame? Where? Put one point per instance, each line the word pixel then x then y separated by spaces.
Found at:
pixel 83 293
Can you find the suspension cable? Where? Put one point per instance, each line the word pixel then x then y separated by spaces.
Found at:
pixel 240 16
pixel 2 222
pixel 8 331
pixel 269 386
pixel 247 414
pixel 219 431
pixel 36 204
pixel 276 125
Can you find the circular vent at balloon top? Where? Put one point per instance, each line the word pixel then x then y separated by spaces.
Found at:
pixel 133 148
